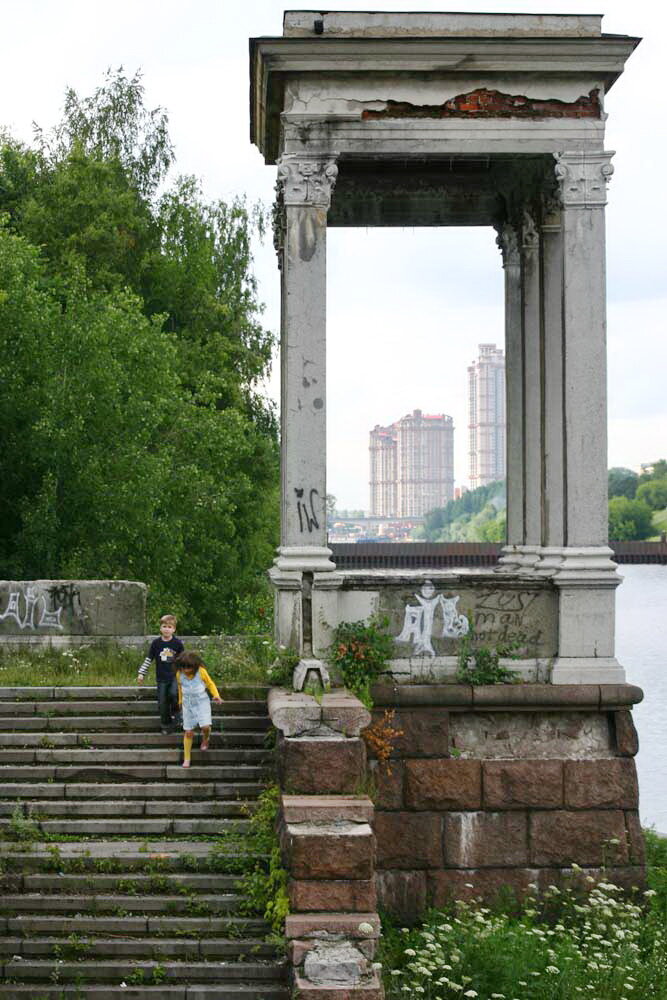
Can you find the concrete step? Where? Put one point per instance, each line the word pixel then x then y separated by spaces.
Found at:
pixel 127 882
pixel 133 826
pixel 87 808
pixel 133 706
pixel 192 949
pixel 191 991
pixel 187 789
pixel 132 755
pixel 36 970
pixel 120 723
pixel 109 903
pixel 127 772
pixel 231 693
pixel 51 925
pixel 44 741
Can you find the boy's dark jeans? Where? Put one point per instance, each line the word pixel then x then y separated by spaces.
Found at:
pixel 167 699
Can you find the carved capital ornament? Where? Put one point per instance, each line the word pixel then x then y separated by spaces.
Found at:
pixel 306 179
pixel 583 177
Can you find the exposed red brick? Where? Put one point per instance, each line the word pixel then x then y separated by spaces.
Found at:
pixel 443 784
pixel 489 883
pixel 513 784
pixel 403 894
pixel 610 783
pixel 408 840
pixel 627 741
pixel 321 766
pixel 485 839
pixel 355 895
pixel 485 103
pixel 562 837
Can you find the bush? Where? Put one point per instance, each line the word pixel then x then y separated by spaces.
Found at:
pixel 629 520
pixel 360 651
pixel 602 946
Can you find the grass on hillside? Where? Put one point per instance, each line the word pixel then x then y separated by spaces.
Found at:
pixel 244 661
pixel 659 523
pixel 604 945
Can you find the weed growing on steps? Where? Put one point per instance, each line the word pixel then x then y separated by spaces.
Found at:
pixel 263 883
pixel 22 826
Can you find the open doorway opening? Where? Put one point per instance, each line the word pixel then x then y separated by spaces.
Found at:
pixel 407 311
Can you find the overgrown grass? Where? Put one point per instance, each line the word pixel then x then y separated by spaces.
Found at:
pixel 604 945
pixel 243 661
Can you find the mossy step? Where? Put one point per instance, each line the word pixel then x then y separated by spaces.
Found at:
pixel 51 925
pixel 169 755
pixel 117 808
pixel 133 826
pixel 119 723
pixel 191 991
pixel 130 692
pixel 118 882
pixel 25 740
pixel 133 706
pixel 91 904
pixel 148 949
pixel 37 970
pixel 187 789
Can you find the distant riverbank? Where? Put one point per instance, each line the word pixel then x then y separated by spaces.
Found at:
pixel 641 646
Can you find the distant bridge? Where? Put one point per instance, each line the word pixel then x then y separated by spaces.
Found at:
pixel 437 555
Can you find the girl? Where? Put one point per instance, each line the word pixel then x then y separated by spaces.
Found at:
pixel 193 683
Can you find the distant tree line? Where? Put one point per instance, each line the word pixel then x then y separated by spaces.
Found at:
pixel 137 442
pixel 635 506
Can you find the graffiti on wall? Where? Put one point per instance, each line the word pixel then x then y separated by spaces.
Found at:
pixel 420 619
pixel 306 509
pixel 31 607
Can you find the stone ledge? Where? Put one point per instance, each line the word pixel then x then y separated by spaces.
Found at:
pixel 370 990
pixel 330 925
pixel 327 808
pixel 297 714
pixel 503 696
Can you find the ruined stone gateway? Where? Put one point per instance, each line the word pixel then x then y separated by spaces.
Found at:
pixel 407 119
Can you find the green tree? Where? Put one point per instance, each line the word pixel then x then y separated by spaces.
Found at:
pixel 629 520
pixel 622 482
pixel 654 493
pixel 137 440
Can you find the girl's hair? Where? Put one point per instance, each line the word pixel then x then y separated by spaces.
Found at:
pixel 191 660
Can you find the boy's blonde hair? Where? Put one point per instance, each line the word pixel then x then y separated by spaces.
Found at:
pixel 168 620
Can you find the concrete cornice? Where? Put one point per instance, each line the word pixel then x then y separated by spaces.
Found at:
pixel 272 59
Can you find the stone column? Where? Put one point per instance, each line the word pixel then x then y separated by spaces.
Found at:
pixel 552 334
pixel 532 388
pixel 509 247
pixel 305 183
pixel 587 576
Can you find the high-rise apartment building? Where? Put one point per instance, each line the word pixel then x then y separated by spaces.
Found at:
pixel 412 465
pixel 486 417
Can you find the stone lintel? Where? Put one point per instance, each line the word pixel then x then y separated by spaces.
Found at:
pixel 501 697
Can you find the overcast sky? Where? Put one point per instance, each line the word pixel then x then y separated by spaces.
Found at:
pixel 406 308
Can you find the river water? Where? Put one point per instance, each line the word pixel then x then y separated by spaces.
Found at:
pixel 641 646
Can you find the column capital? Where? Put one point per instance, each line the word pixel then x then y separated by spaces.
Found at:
pixel 507 242
pixel 306 179
pixel 582 178
pixel 530 237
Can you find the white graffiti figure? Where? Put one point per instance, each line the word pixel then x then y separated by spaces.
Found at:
pixel 418 621
pixel 32 596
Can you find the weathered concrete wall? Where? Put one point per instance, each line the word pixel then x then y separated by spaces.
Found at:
pixel 40 609
pixel 545 778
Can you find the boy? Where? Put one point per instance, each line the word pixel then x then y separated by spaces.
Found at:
pixel 164 649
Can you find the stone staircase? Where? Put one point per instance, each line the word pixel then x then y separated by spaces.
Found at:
pixel 115 880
